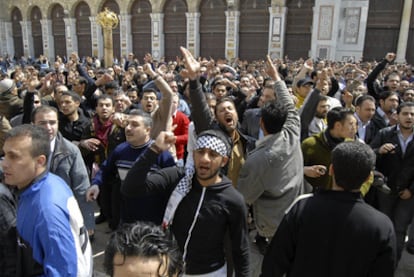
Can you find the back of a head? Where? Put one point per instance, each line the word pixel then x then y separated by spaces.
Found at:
pixel 352 163
pixel 274 116
pixel 144 240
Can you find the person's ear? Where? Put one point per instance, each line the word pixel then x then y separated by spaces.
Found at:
pixel 41 161
pixel 331 170
pixel 224 161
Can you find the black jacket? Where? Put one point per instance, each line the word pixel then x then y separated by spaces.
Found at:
pixel 396 166
pixel 222 211
pixel 332 233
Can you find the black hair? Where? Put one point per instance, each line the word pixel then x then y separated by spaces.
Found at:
pixel 385 94
pixel 42 109
pixel 144 240
pixel 403 105
pixel 75 97
pixel 40 138
pixel 104 97
pixel 337 114
pixel 361 99
pixel 352 163
pixel 146 117
pixel 273 115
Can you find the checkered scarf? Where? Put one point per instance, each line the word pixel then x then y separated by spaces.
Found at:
pixel 184 185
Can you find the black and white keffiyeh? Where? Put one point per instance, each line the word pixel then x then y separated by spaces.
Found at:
pixel 184 185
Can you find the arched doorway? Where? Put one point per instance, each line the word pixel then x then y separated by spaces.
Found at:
pixel 254 29
pixel 116 34
pixel 141 28
pixel 16 18
pixel 298 28
pixel 212 28
pixel 58 30
pixel 35 17
pixel 83 29
pixel 383 25
pixel 175 28
pixel 410 43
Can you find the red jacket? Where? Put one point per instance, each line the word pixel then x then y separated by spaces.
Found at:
pixel 181 132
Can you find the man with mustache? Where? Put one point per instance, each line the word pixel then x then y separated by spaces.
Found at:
pixel 114 169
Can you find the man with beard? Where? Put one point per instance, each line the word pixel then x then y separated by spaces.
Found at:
pixel 73 122
pixel 318 123
pixel 395 159
pixel 203 205
pixel 98 143
pixel 113 171
pixel 226 118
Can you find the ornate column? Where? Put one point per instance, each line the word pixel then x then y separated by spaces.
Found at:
pixel 404 31
pixel 193 33
pixel 157 24
pixel 108 20
pixel 70 34
pixel 96 37
pixel 3 38
pixel 277 29
pixel 47 36
pixel 126 37
pixel 28 49
pixel 232 34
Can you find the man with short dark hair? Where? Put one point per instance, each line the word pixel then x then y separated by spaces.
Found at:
pixel 317 149
pixel 334 232
pixel 142 249
pixel 268 182
pixel 66 161
pixel 49 221
pixel 364 112
pixel 203 207
pixel 395 160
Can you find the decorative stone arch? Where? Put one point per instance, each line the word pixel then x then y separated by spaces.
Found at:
pixel 35 16
pixel 175 27
pixel 81 13
pixel 140 11
pixel 213 28
pixel 57 15
pixel 254 29
pixel 15 18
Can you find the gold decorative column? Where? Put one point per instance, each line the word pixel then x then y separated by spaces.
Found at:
pixel 108 21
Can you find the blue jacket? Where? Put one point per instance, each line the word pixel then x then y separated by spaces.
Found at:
pixel 50 223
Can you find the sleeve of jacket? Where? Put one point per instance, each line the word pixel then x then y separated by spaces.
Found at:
pixel 308 112
pixel 372 77
pixel 250 183
pixel 182 130
pixel 91 87
pixel 292 123
pixel 163 119
pixel 56 241
pixel 200 112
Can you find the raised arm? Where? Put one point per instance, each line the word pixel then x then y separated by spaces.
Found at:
pixel 200 112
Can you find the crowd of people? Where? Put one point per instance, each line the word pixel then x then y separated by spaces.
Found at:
pixel 205 167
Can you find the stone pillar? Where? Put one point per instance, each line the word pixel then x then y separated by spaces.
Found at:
pixel 193 33
pixel 3 38
pixel 277 30
pixel 96 37
pixel 28 49
pixel 404 31
pixel 126 36
pixel 70 34
pixel 48 42
pixel 232 34
pixel 157 24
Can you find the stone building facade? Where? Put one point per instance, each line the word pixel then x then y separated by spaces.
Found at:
pixel 248 29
